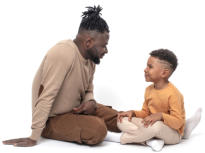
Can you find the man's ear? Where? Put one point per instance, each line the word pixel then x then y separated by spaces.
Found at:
pixel 89 42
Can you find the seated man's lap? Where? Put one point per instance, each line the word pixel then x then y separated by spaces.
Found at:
pixel 109 115
pixel 76 128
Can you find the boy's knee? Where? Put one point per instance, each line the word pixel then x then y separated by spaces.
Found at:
pixel 137 121
pixel 127 126
pixel 157 126
pixel 123 123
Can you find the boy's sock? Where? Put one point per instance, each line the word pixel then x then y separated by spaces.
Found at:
pixel 155 144
pixel 191 123
pixel 113 137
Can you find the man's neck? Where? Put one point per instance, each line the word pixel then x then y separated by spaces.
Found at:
pixel 80 48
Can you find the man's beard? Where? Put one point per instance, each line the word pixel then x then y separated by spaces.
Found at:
pixel 96 60
pixel 93 57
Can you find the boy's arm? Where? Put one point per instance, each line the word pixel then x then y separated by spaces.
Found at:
pixel 145 110
pixel 176 117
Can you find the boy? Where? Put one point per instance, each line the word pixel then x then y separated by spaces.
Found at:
pixel 162 115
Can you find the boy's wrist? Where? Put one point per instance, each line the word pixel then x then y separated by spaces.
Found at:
pixel 162 118
pixel 133 113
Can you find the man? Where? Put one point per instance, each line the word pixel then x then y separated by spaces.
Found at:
pixel 63 106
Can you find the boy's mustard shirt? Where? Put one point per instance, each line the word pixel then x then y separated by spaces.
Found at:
pixel 169 101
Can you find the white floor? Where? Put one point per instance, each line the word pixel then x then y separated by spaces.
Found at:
pixel 194 144
pixel 29 28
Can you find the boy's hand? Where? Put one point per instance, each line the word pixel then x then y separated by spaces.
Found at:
pixel 128 114
pixel 88 108
pixel 21 142
pixel 150 120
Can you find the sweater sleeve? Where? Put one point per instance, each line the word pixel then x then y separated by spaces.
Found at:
pixel 89 91
pixel 57 65
pixel 175 119
pixel 145 110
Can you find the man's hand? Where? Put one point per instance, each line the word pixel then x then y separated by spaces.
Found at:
pixel 128 114
pixel 88 108
pixel 150 120
pixel 21 142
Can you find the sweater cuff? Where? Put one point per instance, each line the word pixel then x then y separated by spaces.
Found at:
pixel 36 134
pixel 88 96
pixel 164 117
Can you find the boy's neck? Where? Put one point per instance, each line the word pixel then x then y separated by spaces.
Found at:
pixel 161 84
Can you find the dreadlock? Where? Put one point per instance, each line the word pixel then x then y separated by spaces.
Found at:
pixel 91 20
pixel 166 55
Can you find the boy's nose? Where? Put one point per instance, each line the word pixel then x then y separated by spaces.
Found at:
pixel 145 70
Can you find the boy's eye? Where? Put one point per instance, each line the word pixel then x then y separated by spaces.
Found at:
pixel 150 66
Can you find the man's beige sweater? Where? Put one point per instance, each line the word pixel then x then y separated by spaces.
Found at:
pixel 66 78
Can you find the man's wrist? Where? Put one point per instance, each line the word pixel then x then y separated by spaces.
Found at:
pixel 92 100
pixel 36 134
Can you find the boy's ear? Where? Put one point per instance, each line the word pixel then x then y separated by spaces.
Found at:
pixel 165 73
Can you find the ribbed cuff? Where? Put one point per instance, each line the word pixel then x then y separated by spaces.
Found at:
pixel 36 134
pixel 164 117
pixel 88 97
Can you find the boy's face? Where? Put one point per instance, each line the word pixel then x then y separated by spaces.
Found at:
pixel 154 71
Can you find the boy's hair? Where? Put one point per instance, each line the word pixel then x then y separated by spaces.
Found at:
pixel 91 20
pixel 166 55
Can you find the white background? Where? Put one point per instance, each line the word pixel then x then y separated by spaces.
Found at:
pixel 29 28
